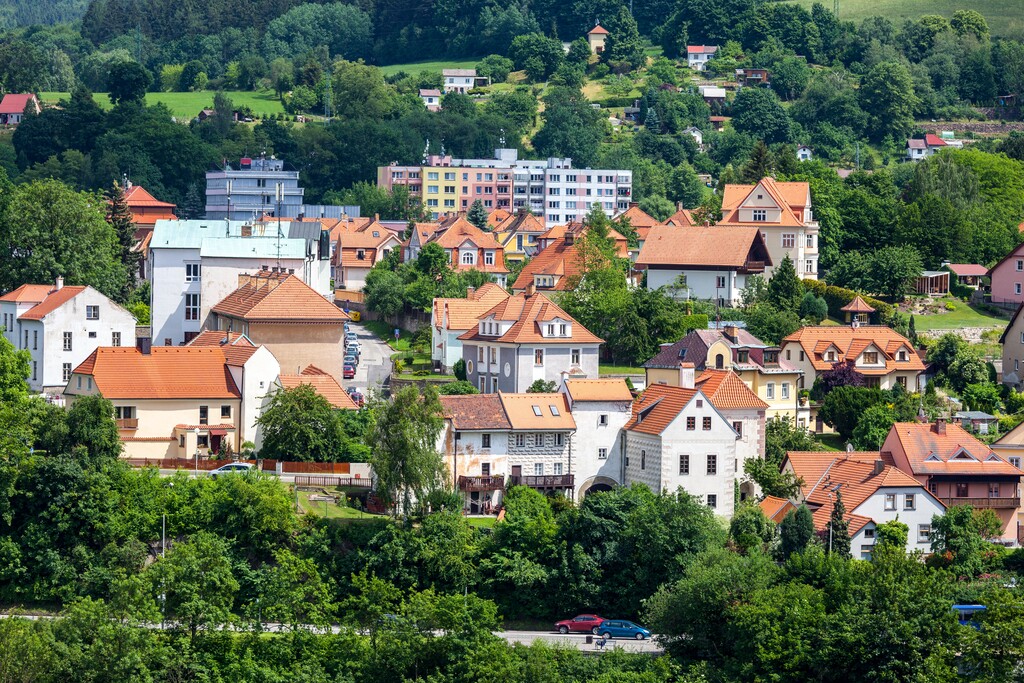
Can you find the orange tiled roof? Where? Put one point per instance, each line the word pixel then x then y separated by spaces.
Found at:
pixel 955 452
pixel 167 372
pixel 237 347
pixel 524 222
pixel 787 196
pixel 496 217
pixel 858 305
pixel 28 294
pixel 54 300
pixel 680 218
pixel 528 314
pixel 719 246
pixel 851 341
pixel 559 259
pixel 638 218
pixel 598 390
pixel 278 297
pixel 462 314
pixel 522 411
pixel 657 407
pixel 454 233
pixel 776 509
pixel 323 384
pixel 577 230
pixel 727 391
pixel 138 196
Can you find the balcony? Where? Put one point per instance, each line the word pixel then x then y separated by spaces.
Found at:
pixel 128 423
pixel 481 483
pixel 753 267
pixel 983 502
pixel 550 481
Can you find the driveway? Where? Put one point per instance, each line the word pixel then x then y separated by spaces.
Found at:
pixel 374 360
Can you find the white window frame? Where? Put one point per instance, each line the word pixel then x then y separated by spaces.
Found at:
pixel 602 453
pixel 193 272
pixel 769 391
pixel 909 501
pixel 92 312
pixel 890 502
pixel 538 355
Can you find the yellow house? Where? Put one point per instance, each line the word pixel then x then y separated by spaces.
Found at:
pixel 758 365
pixel 518 234
pixel 596 39
pixel 441 192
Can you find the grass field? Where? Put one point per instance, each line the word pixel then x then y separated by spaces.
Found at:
pixel 1005 17
pixel 416 67
pixel 189 104
pixel 963 316
pixel 330 510
pixel 619 370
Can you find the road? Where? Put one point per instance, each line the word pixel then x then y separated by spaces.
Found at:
pixel 374 360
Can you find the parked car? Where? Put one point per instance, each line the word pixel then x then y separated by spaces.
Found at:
pixel 232 468
pixel 353 347
pixel 356 396
pixel 617 628
pixel 351 360
pixel 351 337
pixel 584 623
pixel 348 372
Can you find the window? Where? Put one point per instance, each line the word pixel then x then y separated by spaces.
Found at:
pixel 908 502
pixel 871 357
pixel 993 490
pixel 204 415
pixel 962 490
pixel 537 411
pixel 1015 461
pixel 809 266
pixel 559 439
pixel 712 500
pixel 493 355
pixel 538 357
pixel 469 367
pixel 869 532
pixel 92 312
pixel 810 241
pixel 712 464
pixel 192 272
pixel 760 215
pixel 1016 288
pixel 489 258
pixel 785 390
pixel 538 440
pixel 115 338
pixel 901 356
pixel 203 441
pixel 225 412
pixel 521 440
pixel 181 441
pixel 830 356
pixel 890 501
pixel 1020 264
pixel 602 453
pixel 538 469
pixel 67 341
pixel 485 441
pixel 602 420
pixel 691 423
pixel 191 307
pixel 124 412
pixel 684 464
pixel 66 372
pixel 707 424
pixel 35 339
pixel 563 330
pixel 788 240
pixel 720 282
pixel 738 426
pixel 643 459
pixel 468 258
pixel 574 355
pixel 557 468
pixel 924 533
pixel 769 390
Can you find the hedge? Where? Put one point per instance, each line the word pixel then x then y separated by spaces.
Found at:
pixel 837 297
pixel 695 321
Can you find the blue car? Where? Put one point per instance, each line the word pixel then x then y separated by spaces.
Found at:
pixel 616 628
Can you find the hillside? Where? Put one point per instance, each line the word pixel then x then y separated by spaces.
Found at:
pixel 26 12
pixel 1004 16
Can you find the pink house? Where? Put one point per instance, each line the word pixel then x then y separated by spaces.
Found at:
pixel 1008 279
pixel 491 185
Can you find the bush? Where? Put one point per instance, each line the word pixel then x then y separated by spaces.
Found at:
pixel 837 297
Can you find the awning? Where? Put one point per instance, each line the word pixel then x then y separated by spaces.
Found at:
pixel 218 432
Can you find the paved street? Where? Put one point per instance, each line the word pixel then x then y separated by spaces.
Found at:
pixel 579 641
pixel 374 360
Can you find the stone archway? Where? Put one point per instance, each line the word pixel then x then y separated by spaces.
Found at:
pixel 597 484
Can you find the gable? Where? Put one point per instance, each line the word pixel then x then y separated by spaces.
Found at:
pixel 760 198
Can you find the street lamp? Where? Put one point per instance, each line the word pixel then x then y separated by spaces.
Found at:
pixel 196 432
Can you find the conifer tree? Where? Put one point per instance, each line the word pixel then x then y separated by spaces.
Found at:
pixel 120 218
pixel 838 529
pixel 477 215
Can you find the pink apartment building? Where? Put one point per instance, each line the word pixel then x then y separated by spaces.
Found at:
pixel 492 186
pixel 1008 279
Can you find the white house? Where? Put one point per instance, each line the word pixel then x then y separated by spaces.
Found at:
pixel 677 438
pixel 697 56
pixel 698 136
pixel 431 98
pixel 194 265
pixel 451 318
pixel 458 80
pixel 600 408
pixel 804 153
pixel 873 493
pixel 699 262
pixel 60 326
pixel 918 149
pixel 526 338
pixel 491 441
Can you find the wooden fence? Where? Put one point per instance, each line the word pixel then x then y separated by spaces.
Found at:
pixel 330 480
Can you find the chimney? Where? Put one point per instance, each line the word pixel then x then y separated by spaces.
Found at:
pixel 732 332
pixel 570 238
pixel 878 468
pixel 940 426
pixel 246 230
pixel 531 289
pixel 144 345
pixel 686 375
pixel 244 279
pixel 471 293
pixel 60 283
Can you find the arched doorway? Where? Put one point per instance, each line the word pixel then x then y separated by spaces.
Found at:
pixel 597 485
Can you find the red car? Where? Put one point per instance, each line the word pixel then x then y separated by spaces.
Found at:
pixel 584 623
pixel 348 372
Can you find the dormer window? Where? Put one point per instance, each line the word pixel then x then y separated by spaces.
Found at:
pixel 563 330
pixel 759 215
pixel 468 258
pixel 742 356
pixel 771 357
pixel 360 254
pixel 830 356
pixel 489 258
pixel 901 355
pixel 870 357
pixel 550 331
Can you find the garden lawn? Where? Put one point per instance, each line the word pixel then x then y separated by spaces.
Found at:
pixel 1004 16
pixel 416 67
pixel 831 442
pixel 333 511
pixel 386 333
pixel 963 316
pixel 619 370
pixel 187 105
pixel 482 522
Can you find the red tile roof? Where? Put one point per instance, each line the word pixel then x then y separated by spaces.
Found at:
pixel 323 384
pixel 701 49
pixel 137 196
pixel 237 347
pixel 933 140
pixel 14 103
pixel 475 412
pixel 967 269
pixel 598 390
pixel 789 197
pixel 167 372
pixel 776 509
pixel 462 314
pixel 954 452
pixel 850 341
pixel 638 218
pixel 28 294
pixel 560 259
pixel 46 298
pixel 601 30
pixel 727 391
pixel 528 313
pixel 278 297
pixel 657 407
pixel 717 246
